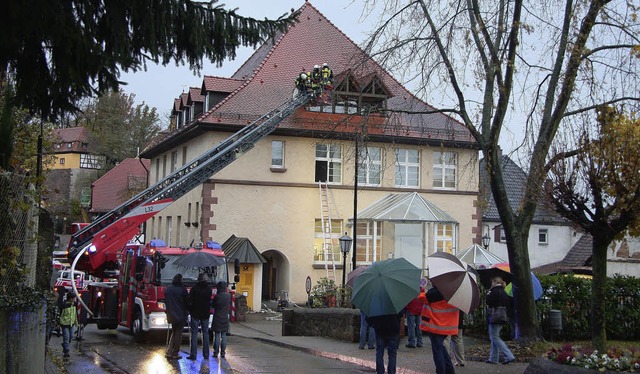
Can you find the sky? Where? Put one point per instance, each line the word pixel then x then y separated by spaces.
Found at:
pixel 160 85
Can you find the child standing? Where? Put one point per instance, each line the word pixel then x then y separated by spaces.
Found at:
pixel 68 319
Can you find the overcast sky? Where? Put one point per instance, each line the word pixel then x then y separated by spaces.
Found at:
pixel 159 85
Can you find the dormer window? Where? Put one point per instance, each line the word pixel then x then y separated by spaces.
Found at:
pixel 355 96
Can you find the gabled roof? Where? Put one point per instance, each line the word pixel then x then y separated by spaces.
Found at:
pixel 195 95
pixel 243 250
pixel 74 135
pixel 268 81
pixel 478 257
pixel 577 260
pixel 409 207
pixel 515 180
pixel 218 84
pixel 115 187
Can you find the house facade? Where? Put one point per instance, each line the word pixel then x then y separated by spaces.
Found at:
pixel 73 168
pixel 415 190
pixel 550 237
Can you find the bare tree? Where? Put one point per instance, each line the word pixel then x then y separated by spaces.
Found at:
pixel 502 65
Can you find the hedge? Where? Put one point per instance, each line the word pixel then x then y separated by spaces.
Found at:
pixel 572 296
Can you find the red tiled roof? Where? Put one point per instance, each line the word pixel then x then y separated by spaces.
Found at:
pixel 218 84
pixel 195 95
pixel 183 100
pixel 268 81
pixel 74 135
pixel 176 105
pixel 112 189
pixel 315 40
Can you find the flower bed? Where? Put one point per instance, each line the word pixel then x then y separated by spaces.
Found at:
pixel 615 359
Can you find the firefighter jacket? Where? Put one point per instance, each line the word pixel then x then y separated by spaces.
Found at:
pixel 69 314
pixel 438 316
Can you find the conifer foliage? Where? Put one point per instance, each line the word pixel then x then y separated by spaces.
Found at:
pixel 57 52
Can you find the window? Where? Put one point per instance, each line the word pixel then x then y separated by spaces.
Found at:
pixel 164 166
pixel 61 160
pixel 503 236
pixel 368 242
pixel 370 166
pixel 157 169
pixel 407 168
pixel 318 241
pixel 85 145
pixel 169 230
pixel 174 161
pixel 444 170
pixel 543 236
pixel 57 146
pixel 178 230
pixel 443 238
pixel 91 161
pixel 69 145
pixel 328 163
pixel 277 154
pixel 184 156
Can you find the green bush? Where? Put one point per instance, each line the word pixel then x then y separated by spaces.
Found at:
pixel 572 296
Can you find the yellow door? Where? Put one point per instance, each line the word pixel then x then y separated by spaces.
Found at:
pixel 245 285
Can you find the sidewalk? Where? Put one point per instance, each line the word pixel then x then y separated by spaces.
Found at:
pixel 267 327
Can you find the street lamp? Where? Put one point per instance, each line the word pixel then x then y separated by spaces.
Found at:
pixel 345 247
pixel 486 239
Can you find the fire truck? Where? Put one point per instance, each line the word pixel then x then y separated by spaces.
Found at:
pixel 135 275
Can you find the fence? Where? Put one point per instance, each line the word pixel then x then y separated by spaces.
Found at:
pixel 18 228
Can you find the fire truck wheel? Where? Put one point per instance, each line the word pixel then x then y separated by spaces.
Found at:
pixel 136 324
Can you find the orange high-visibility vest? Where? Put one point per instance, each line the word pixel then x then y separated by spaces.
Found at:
pixel 439 317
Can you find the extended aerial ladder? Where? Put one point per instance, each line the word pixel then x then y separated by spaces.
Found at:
pixel 104 237
pixel 327 232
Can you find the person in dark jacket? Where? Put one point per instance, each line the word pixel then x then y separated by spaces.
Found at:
pixel 176 298
pixel 220 322
pixel 495 298
pixel 387 328
pixel 200 297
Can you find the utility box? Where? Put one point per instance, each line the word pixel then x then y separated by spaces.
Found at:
pixel 555 320
pixel 241 308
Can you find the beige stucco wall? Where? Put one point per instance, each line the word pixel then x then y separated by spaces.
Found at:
pixel 277 210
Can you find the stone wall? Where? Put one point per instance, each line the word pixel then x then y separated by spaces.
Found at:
pixel 337 323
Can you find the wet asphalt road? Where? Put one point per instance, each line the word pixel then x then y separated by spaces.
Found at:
pixel 116 352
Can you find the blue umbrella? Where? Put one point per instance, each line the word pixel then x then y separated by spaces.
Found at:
pixel 386 287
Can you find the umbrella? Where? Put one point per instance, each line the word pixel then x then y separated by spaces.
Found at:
pixel 386 287
pixel 455 279
pixel 199 260
pixel 351 277
pixel 503 270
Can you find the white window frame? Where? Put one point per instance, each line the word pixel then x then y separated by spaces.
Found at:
pixel 169 230
pixel 89 161
pixel 333 159
pixel 405 168
pixel 370 168
pixel 440 241
pixel 370 238
pixel 318 236
pixel 277 154
pixel 503 235
pixel 545 233
pixel 445 168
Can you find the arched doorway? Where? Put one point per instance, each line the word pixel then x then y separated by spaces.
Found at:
pixel 275 274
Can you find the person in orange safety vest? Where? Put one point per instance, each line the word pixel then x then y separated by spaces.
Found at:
pixel 439 319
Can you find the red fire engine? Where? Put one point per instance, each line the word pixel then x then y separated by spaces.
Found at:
pixel 136 275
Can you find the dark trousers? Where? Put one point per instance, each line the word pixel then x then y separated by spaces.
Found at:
pixel 176 339
pixel 391 344
pixel 440 354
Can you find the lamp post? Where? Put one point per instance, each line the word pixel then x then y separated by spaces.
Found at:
pixel 345 247
pixel 485 240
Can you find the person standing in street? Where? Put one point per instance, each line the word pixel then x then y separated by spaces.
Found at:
pixel 176 298
pixel 497 297
pixel 220 322
pixel 367 334
pixel 439 320
pixel 457 344
pixel 387 328
pixel 68 319
pixel 414 310
pixel 200 297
